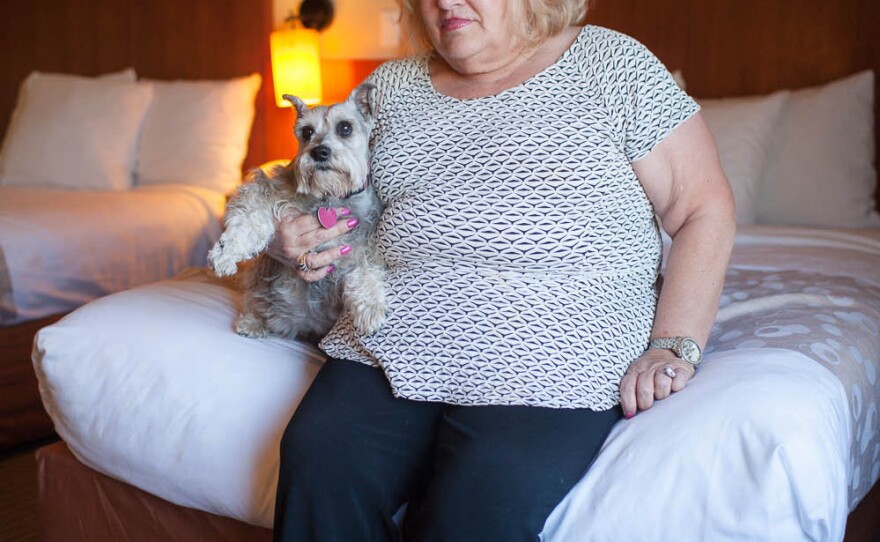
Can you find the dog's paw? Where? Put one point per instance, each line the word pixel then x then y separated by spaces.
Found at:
pixel 248 325
pixel 369 318
pixel 221 263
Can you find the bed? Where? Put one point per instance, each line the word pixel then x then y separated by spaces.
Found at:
pixel 114 167
pixel 170 422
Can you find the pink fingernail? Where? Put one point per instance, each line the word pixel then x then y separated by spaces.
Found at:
pixel 352 222
pixel 345 211
pixel 330 268
pixel 628 415
pixel 345 250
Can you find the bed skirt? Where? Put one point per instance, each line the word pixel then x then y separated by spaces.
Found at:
pixel 78 504
pixel 22 417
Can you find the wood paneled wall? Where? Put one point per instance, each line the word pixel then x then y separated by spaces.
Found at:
pixel 162 39
pixel 723 47
pixel 731 47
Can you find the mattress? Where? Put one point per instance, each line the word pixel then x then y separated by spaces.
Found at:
pixel 776 437
pixel 60 249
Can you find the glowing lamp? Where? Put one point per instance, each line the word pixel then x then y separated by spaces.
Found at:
pixel 296 57
pixel 296 65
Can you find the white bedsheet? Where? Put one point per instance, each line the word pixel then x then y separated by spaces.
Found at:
pixel 60 249
pixel 152 387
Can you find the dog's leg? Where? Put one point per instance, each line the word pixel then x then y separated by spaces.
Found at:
pixel 250 325
pixel 364 296
pixel 249 322
pixel 250 227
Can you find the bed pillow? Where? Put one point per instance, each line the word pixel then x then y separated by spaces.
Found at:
pixel 196 132
pixel 821 167
pixel 74 132
pixel 743 128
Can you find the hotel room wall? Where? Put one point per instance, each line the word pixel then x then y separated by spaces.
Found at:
pixel 724 47
pixel 210 39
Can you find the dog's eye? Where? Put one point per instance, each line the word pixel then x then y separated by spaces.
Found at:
pixel 306 133
pixel 344 128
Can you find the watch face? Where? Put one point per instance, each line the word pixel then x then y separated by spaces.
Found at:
pixel 690 350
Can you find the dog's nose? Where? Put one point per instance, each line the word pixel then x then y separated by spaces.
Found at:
pixel 321 153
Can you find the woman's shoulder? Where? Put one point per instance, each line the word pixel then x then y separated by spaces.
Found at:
pixel 398 71
pixel 613 58
pixel 610 42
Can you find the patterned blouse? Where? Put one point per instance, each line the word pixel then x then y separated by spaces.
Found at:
pixel 522 251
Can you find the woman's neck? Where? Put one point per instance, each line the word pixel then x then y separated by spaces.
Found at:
pixel 477 78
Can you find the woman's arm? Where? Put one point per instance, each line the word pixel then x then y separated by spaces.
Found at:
pixel 682 177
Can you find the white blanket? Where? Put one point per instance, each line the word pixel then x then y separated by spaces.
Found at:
pixel 60 248
pixel 771 440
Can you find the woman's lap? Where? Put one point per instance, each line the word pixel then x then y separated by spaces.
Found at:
pixel 353 454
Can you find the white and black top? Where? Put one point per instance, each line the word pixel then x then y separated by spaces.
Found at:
pixel 522 251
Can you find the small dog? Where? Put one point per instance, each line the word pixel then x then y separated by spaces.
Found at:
pixel 329 171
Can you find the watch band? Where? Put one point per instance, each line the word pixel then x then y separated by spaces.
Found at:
pixel 666 343
pixel 691 353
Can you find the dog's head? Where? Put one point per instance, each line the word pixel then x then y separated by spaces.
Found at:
pixel 333 158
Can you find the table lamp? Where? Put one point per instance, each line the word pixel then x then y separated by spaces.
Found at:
pixel 296 59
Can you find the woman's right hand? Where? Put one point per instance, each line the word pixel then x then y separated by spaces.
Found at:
pixel 296 236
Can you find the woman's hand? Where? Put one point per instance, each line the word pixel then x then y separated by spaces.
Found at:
pixel 647 380
pixel 297 236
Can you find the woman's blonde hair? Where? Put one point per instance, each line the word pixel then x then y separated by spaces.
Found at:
pixel 534 20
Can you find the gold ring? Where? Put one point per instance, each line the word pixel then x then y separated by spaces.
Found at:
pixel 303 266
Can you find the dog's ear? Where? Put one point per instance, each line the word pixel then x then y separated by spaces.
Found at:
pixel 364 97
pixel 300 105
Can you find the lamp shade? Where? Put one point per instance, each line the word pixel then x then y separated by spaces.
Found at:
pixel 296 66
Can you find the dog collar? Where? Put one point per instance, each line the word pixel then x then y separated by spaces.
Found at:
pixel 363 187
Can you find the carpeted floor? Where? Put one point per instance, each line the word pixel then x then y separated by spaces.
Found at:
pixel 18 494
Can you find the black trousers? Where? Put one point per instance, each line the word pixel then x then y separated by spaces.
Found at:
pixel 353 454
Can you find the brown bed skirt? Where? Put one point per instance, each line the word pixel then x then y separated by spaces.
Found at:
pixel 78 504
pixel 22 417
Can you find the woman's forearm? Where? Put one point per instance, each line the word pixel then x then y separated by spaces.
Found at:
pixel 694 276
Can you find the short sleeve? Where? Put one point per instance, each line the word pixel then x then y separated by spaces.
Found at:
pixel 655 104
pixel 640 92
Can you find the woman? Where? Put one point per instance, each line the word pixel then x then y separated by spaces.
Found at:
pixel 522 161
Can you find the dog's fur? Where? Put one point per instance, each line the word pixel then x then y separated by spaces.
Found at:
pixel 330 170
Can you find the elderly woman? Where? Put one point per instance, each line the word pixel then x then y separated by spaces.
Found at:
pixel 525 163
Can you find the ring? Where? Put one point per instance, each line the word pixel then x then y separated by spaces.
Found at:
pixel 669 371
pixel 303 266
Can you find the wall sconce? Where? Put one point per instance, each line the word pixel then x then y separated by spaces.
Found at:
pixel 296 59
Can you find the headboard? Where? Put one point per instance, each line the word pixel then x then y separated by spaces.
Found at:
pixel 162 39
pixel 741 47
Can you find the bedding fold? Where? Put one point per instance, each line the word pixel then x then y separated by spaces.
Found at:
pixel 65 248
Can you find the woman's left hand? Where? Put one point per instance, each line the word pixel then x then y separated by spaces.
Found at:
pixel 647 380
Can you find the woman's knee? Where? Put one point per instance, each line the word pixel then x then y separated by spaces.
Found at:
pixel 313 450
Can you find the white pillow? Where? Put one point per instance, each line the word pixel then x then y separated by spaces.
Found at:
pixel 196 132
pixel 74 132
pixel 821 167
pixel 743 128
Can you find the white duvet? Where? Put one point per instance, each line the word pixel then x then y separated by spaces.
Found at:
pixel 776 438
pixel 62 248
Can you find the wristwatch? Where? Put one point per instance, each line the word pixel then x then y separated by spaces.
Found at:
pixel 684 347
